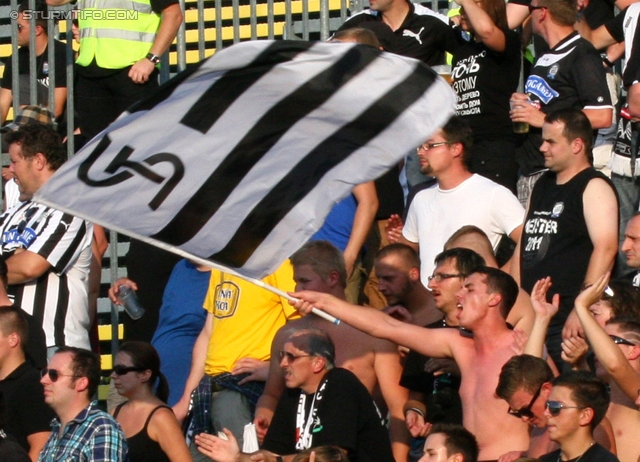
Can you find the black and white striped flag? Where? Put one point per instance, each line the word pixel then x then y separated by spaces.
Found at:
pixel 239 160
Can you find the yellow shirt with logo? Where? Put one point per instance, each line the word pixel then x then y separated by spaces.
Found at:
pixel 246 317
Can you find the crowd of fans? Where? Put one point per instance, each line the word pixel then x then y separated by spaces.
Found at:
pixel 487 287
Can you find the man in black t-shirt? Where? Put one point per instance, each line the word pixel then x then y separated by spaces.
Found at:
pixel 27 418
pixel 42 65
pixel 323 406
pixel 577 403
pixel 569 75
pixel 419 32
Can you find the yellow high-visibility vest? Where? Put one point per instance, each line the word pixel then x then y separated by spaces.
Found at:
pixel 117 33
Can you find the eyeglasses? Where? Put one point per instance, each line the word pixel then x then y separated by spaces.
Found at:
pixel 54 375
pixel 429 146
pixel 290 356
pixel 532 8
pixel 119 369
pixel 621 341
pixel 526 411
pixel 439 277
pixel 556 406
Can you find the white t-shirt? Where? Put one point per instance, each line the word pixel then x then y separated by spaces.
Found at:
pixel 435 214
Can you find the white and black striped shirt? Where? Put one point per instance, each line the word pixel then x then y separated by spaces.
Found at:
pixel 58 298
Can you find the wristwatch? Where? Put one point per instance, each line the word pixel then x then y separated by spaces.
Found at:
pixel 155 59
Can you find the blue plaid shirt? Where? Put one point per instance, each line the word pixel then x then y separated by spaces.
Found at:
pixel 92 436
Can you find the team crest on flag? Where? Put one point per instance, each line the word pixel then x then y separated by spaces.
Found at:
pixel 239 160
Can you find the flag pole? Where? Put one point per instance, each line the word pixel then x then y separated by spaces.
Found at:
pixel 187 255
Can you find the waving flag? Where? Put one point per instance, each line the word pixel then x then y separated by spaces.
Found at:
pixel 239 160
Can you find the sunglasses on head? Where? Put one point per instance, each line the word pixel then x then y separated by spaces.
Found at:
pixel 526 411
pixel 119 369
pixel 54 375
pixel 556 406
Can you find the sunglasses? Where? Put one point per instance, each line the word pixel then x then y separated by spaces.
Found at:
pixel 556 406
pixel 290 356
pixel 119 369
pixel 54 375
pixel 526 411
pixel 621 341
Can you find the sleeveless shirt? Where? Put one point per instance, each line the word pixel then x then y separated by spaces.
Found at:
pixel 141 447
pixel 555 238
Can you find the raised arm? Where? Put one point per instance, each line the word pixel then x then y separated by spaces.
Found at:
pixel 607 352
pixel 484 28
pixel 544 312
pixel 380 325
pixel 516 14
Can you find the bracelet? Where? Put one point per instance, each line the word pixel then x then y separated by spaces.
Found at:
pixel 606 60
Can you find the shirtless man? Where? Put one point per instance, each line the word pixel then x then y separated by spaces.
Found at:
pixel 472 237
pixel 622 412
pixel 398 270
pixel 428 379
pixel 485 299
pixel 319 266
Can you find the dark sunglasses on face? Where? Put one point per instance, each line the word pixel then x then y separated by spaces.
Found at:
pixel 290 356
pixel 556 406
pixel 526 412
pixel 54 375
pixel 621 341
pixel 119 369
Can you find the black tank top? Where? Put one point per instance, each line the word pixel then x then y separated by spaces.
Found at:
pixel 141 447
pixel 555 239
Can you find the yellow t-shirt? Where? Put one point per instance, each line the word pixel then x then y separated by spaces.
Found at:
pixel 246 317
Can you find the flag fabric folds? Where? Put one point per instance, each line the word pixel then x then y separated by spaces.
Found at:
pixel 240 159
